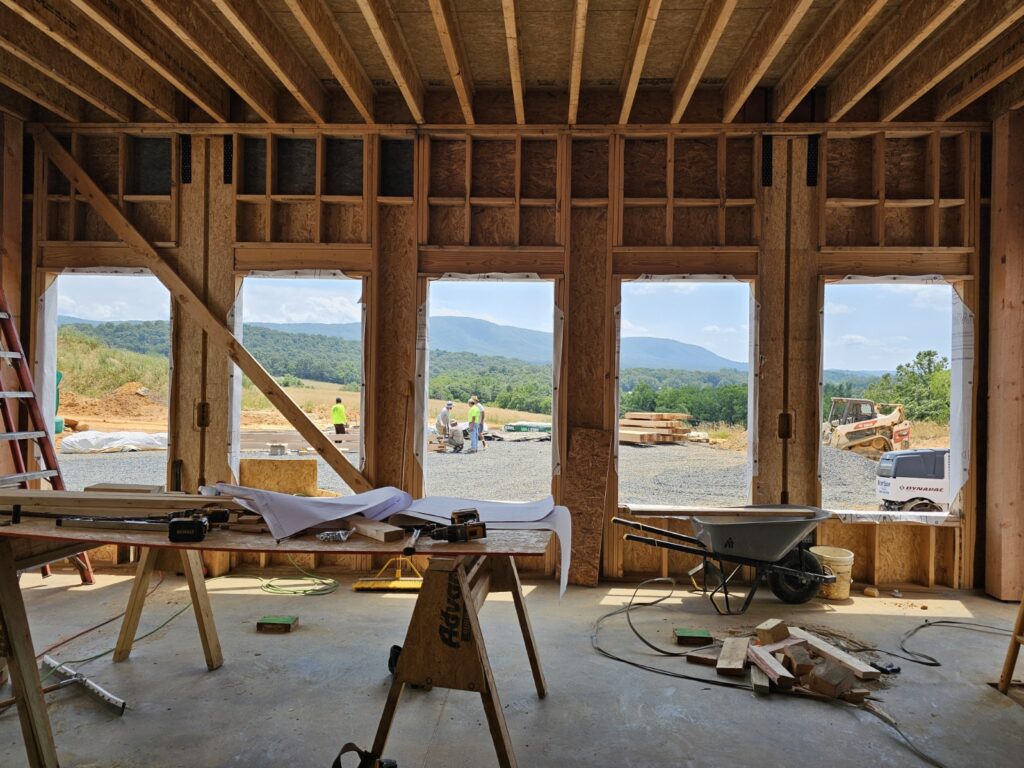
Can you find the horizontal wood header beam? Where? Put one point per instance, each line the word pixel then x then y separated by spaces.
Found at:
pixel 282 257
pixel 739 262
pixel 435 261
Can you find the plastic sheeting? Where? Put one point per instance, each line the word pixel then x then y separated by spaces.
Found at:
pixel 113 442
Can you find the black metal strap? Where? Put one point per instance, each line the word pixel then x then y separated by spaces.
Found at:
pixel 366 759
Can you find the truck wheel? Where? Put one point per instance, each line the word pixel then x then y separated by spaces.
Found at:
pixel 793 589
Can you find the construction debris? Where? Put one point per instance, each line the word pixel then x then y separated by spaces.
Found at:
pixel 695 637
pixel 771 631
pixel 638 427
pixel 732 660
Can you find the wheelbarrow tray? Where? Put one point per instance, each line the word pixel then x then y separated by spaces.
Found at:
pixel 753 533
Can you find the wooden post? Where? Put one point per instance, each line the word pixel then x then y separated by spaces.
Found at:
pixel 136 601
pixel 1004 517
pixel 10 241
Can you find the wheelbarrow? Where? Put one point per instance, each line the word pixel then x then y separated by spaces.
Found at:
pixel 768 538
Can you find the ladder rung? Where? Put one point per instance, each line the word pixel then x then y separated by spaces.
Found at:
pixel 6 437
pixel 4 315
pixel 22 395
pixel 9 480
pixel 10 355
pixel 1019 639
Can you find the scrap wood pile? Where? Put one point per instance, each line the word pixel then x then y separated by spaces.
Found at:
pixel 638 427
pixel 790 660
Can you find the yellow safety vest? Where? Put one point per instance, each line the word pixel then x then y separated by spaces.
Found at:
pixel 338 415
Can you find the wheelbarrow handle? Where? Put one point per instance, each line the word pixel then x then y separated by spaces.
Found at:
pixel 660 531
pixel 700 552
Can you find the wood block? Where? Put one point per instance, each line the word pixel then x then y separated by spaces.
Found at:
pixel 697 637
pixel 733 658
pixel 772 631
pixel 828 651
pixel 830 679
pixel 377 531
pixel 296 476
pixel 277 625
pixel 777 673
pixel 797 660
pixel 760 680
pixel 707 657
pixel 855 695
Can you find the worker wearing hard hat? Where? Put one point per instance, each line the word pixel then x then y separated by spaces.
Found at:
pixel 475 423
pixel 338 417
pixel 443 421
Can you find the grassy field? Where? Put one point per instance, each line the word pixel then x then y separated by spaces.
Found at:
pixel 93 369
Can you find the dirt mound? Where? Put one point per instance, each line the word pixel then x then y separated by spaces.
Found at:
pixel 129 401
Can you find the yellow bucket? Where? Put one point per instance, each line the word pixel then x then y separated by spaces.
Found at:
pixel 838 561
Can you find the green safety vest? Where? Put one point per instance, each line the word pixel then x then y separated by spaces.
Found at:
pixel 474 414
pixel 338 415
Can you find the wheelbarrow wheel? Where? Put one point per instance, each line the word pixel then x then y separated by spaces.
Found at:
pixel 792 589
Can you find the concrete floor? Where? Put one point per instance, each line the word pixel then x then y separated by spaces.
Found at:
pixel 294 699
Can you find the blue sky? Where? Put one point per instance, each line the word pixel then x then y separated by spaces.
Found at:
pixel 867 327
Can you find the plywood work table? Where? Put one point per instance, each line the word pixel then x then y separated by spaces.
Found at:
pixel 444 646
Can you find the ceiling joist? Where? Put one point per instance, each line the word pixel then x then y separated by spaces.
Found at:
pixel 251 21
pixel 447 24
pixel 713 20
pixel 844 24
pixel 383 24
pixel 908 28
pixel 36 49
pixel 579 33
pixel 973 28
pixel 775 29
pixel 643 31
pixel 321 27
pixel 510 13
pixel 187 20
pixel 150 41
pixel 33 84
pixel 74 31
pixel 981 74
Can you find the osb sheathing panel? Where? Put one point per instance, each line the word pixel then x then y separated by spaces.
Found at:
pixel 417 25
pixel 609 29
pixel 153 220
pixel 295 476
pixel 951 181
pixel 644 163
pixel 848 168
pixel 695 226
pixel 735 39
pixel 849 226
pixel 643 225
pixel 905 164
pixel 587 317
pixel 447 225
pixel 695 173
pixel 584 492
pixel 906 226
pixel 447 168
pixel 294 222
pixel 90 226
pixel 545 30
pixel 739 168
pixel 858 538
pixel 590 168
pixel 811 22
pixel 252 222
pixel 483 34
pixel 901 550
pixel 395 336
pixel 951 230
pixel 343 223
pixel 537 226
pixel 98 155
pixel 492 226
pixel 58 221
pixel 739 225
pixel 494 168
pixel 539 173
pixel 672 34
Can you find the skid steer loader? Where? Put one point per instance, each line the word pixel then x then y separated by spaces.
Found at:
pixel 866 427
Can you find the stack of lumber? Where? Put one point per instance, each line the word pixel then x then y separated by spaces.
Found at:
pixel 638 427
pixel 108 504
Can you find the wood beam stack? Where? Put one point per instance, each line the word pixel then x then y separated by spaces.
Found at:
pixel 638 427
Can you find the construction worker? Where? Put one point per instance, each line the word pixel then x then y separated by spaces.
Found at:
pixel 483 424
pixel 454 440
pixel 442 423
pixel 338 417
pixel 475 420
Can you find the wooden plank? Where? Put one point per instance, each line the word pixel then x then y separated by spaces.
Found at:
pixel 446 22
pixel 643 31
pixel 579 34
pixel 992 66
pixel 910 26
pixel 872 262
pixel 973 28
pixel 34 85
pixel 841 28
pixel 510 15
pixel 214 328
pixel 771 666
pixel 732 659
pixel 197 29
pixel 24 674
pixel 439 260
pixel 713 19
pixel 776 27
pixel 354 258
pixel 375 530
pixel 137 31
pixel 255 26
pixel 100 50
pixel 321 27
pixel 759 680
pixel 673 260
pixel 1004 527
pixel 42 52
pixel 389 38
pixel 829 651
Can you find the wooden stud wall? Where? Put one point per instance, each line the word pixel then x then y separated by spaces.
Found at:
pixel 584 207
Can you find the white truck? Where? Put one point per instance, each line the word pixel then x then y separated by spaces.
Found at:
pixel 915 480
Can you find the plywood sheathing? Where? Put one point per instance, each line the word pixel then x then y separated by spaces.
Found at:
pixel 1004 520
pixel 585 493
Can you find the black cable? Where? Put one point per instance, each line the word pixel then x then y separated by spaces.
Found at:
pixel 916 657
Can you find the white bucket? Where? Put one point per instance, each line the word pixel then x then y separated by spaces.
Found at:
pixel 838 561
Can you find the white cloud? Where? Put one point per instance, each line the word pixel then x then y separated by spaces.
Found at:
pixel 627 328
pixel 717 329
pixel 836 309
pixel 656 287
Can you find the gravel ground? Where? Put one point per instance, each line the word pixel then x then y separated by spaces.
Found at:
pixel 520 470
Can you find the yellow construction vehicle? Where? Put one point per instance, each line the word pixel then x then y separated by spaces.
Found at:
pixel 866 427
